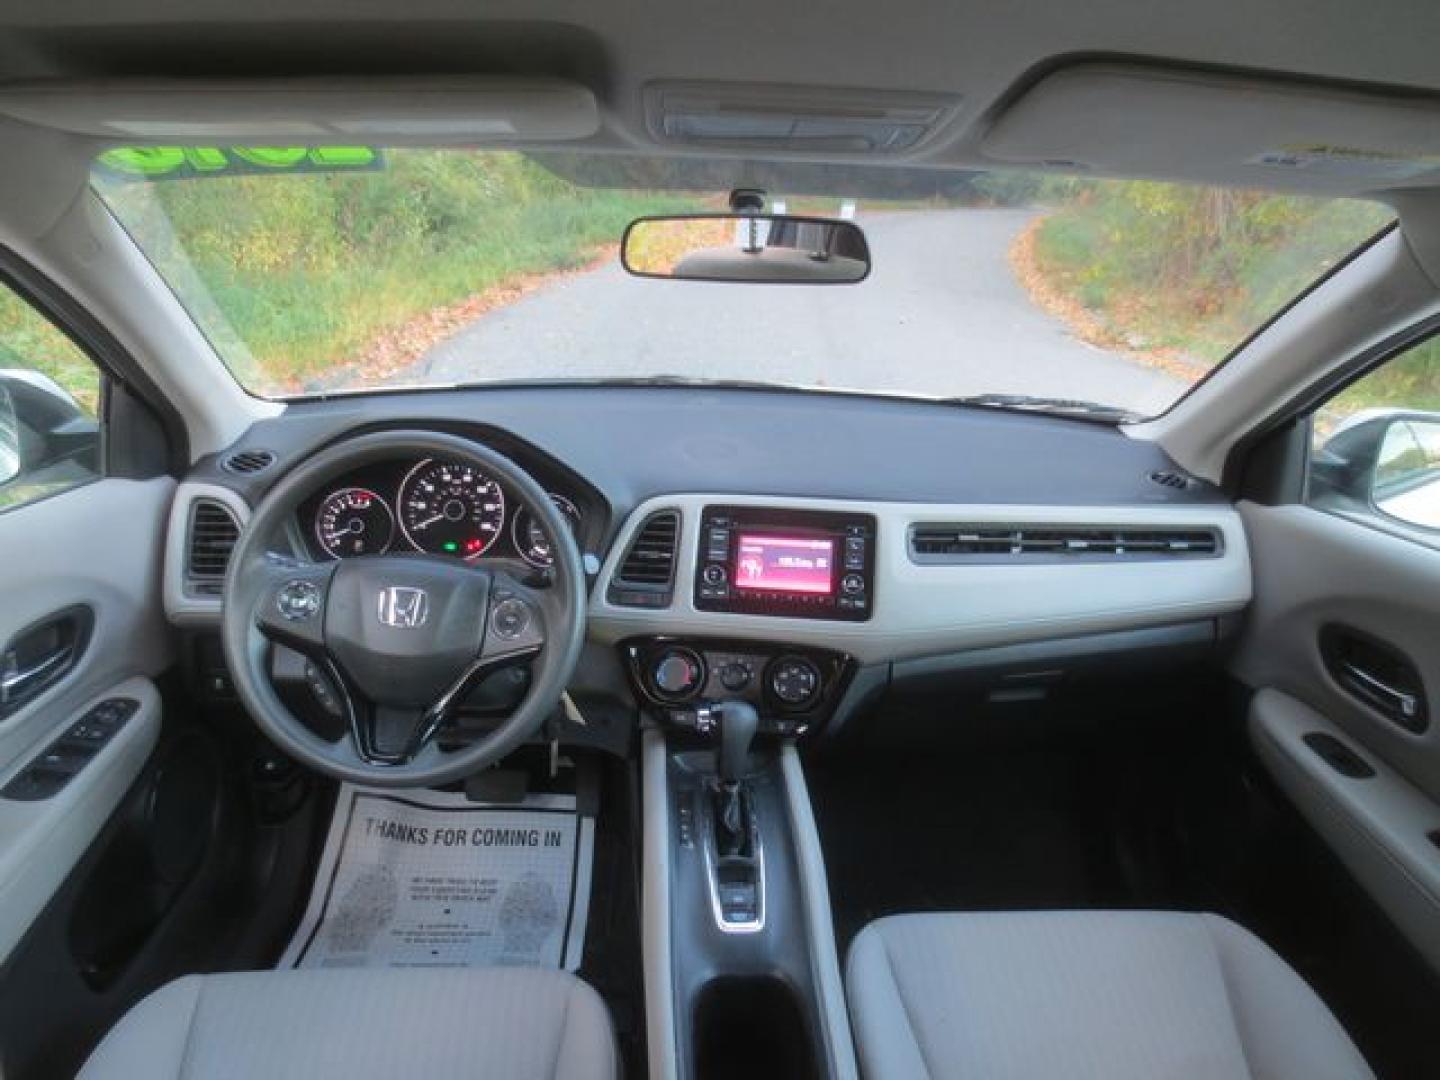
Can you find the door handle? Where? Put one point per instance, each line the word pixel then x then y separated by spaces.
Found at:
pixel 42 654
pixel 1406 704
pixel 17 682
pixel 1377 674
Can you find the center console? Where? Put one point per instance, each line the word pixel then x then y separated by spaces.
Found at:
pixel 804 564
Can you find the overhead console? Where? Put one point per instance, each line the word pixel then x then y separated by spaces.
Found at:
pixel 807 564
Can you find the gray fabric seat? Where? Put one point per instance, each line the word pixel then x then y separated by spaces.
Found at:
pixel 503 1023
pixel 1085 996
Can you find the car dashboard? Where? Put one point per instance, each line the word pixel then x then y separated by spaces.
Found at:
pixel 791 549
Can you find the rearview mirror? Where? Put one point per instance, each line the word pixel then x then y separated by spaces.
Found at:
pixel 749 248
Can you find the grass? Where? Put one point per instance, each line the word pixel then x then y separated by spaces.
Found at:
pixel 28 340
pixel 1170 267
pixel 293 276
pixel 1193 269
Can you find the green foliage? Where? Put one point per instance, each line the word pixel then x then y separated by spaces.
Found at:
pixel 1196 269
pixel 1199 269
pixel 291 276
pixel 1408 381
pixel 29 341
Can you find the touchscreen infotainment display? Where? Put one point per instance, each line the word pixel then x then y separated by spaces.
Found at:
pixel 792 564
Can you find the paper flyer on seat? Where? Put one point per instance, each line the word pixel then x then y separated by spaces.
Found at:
pixel 430 879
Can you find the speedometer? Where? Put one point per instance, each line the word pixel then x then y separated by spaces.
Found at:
pixel 447 508
pixel 354 521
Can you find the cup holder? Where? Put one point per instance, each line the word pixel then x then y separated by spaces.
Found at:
pixel 752 1026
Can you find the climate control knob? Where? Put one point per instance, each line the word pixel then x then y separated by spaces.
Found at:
pixel 795 681
pixel 678 673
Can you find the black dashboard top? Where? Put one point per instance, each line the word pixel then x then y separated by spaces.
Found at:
pixel 630 443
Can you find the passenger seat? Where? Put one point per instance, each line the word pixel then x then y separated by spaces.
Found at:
pixel 1075 995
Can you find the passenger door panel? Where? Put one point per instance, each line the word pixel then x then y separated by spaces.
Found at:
pixel 1343 629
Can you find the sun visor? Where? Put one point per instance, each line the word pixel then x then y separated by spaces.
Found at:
pixel 394 111
pixel 1223 129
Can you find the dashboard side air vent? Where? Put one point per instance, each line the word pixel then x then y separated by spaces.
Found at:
pixel 245 462
pixel 999 543
pixel 211 539
pixel 646 577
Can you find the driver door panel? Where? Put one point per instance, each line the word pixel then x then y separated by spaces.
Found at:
pixel 95 550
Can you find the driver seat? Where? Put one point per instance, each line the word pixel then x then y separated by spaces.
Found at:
pixel 516 1023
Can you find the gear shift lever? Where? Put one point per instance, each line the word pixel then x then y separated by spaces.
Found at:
pixel 738 722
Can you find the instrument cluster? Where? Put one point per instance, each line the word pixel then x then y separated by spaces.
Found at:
pixel 432 505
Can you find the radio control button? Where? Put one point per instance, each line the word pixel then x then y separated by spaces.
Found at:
pixel 853 584
pixel 714 574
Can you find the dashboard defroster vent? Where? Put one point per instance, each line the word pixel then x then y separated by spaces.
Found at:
pixel 1171 478
pixel 994 542
pixel 245 462
pixel 211 539
pixel 646 577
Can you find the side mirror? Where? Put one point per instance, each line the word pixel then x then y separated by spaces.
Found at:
pixel 1382 462
pixel 750 248
pixel 1406 481
pixel 43 430
pixel 10 462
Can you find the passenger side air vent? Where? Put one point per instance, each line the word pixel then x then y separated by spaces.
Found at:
pixel 987 542
pixel 646 577
pixel 211 539
pixel 245 462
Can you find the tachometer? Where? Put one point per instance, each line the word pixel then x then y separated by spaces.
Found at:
pixel 450 509
pixel 354 521
pixel 530 539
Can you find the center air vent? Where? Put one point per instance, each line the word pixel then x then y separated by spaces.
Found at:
pixel 212 536
pixel 245 462
pixel 646 577
pixel 994 542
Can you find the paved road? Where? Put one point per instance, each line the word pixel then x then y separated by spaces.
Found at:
pixel 941 314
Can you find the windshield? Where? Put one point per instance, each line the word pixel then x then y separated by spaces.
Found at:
pixel 316 270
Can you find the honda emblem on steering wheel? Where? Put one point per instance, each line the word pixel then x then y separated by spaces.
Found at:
pixel 403 606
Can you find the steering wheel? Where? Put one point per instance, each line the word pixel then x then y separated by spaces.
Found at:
pixel 402 637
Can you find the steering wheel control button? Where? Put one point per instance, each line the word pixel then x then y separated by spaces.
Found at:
pixel 510 618
pixel 323 690
pixel 795 681
pixel 298 600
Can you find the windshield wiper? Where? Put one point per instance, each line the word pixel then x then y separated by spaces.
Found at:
pixel 1082 410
